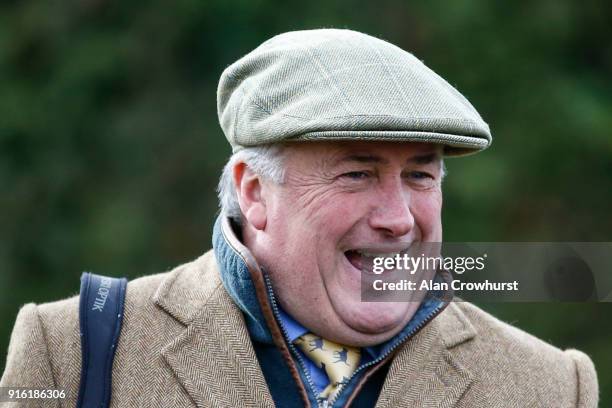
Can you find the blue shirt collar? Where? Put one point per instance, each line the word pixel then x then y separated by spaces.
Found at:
pixel 292 327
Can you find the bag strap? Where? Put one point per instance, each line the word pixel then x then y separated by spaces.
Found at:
pixel 100 317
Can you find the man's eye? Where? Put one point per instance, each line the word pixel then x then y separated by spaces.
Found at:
pixel 421 180
pixel 356 175
pixel 419 175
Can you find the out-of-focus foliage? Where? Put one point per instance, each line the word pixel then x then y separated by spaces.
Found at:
pixel 110 148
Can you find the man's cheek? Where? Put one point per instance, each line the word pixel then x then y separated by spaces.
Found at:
pixel 428 220
pixel 428 204
pixel 324 203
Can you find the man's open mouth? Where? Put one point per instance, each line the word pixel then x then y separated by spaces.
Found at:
pixel 363 259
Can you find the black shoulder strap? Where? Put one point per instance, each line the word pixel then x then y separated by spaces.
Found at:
pixel 100 315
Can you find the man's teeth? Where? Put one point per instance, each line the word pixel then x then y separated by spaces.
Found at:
pixel 377 254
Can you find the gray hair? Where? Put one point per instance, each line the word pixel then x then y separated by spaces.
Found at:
pixel 266 161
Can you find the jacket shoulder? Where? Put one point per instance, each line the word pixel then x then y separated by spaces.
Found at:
pixel 521 363
pixel 45 346
pixel 60 319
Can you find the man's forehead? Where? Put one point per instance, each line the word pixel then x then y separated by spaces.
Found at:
pixel 338 153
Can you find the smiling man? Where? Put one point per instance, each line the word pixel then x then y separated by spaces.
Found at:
pixel 338 145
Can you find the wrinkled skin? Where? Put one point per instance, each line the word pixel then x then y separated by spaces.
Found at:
pixel 339 198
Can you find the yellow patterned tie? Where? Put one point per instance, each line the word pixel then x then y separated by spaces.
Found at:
pixel 337 360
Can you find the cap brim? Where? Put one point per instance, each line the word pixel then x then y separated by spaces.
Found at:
pixel 454 145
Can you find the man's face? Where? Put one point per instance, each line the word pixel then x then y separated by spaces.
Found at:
pixel 339 201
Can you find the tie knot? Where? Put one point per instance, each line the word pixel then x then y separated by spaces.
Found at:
pixel 337 360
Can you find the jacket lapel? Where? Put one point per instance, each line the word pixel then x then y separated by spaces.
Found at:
pixel 425 372
pixel 213 358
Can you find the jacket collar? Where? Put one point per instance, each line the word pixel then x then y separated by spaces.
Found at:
pixel 215 354
pixel 212 357
pixel 430 364
pixel 242 278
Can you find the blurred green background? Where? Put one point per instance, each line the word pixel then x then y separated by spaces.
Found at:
pixel 110 147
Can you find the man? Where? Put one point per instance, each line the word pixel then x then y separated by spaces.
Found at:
pixel 338 142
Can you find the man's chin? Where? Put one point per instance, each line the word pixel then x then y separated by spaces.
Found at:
pixel 379 321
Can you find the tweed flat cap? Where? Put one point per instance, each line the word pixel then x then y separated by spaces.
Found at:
pixel 331 84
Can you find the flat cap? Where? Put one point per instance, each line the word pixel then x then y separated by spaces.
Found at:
pixel 331 84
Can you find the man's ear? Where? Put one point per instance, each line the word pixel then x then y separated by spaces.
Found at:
pixel 249 193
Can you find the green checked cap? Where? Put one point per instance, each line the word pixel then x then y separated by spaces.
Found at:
pixel 333 84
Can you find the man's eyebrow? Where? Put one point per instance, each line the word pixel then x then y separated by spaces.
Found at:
pixel 361 158
pixel 425 158
pixel 371 158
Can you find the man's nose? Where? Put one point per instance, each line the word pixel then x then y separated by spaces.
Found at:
pixel 392 214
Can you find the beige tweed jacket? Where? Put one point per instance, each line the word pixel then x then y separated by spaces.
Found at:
pixel 184 343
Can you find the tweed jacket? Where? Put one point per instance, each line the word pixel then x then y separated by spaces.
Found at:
pixel 184 343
